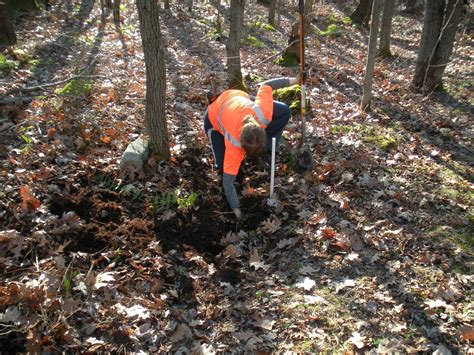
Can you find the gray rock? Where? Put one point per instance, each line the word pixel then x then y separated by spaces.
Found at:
pixel 133 158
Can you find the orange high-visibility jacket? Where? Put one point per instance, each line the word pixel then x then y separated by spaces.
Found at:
pixel 226 115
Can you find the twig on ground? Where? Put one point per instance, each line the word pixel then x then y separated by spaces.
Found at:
pixel 43 86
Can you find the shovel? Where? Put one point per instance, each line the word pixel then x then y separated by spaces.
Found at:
pixel 302 158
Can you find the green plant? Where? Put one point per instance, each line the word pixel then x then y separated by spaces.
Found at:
pixel 5 64
pixel 331 31
pixel 67 281
pixel 268 27
pixel 28 142
pixel 108 182
pixel 168 199
pixel 288 60
pixel 385 143
pixel 346 20
pixel 253 42
pixel 77 87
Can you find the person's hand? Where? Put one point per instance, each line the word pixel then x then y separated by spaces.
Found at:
pixel 238 213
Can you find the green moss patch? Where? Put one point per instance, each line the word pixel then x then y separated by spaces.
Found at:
pixel 77 87
pixel 288 60
pixel 6 65
pixel 253 42
pixel 464 239
pixel 384 142
pixel 288 95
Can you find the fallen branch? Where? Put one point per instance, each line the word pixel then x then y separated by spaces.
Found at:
pixel 16 100
pixel 43 86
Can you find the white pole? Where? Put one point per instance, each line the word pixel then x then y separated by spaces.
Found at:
pixel 272 174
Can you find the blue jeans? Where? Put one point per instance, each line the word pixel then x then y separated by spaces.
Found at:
pixel 280 117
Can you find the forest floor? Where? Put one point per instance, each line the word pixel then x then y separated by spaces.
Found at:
pixel 370 251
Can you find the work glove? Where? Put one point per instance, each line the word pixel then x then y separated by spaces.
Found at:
pixel 238 213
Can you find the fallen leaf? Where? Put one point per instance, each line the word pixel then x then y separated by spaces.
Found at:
pixel 181 332
pixel 30 202
pixel 357 340
pixel 467 333
pixel 232 252
pixel 270 225
pixel 343 284
pixel 103 279
pixel 256 262
pixel 314 299
pixel 265 323
pixel 306 283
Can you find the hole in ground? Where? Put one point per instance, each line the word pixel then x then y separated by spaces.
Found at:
pixel 80 204
pixel 91 238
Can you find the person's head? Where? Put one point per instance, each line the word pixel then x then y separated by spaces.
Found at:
pixel 252 137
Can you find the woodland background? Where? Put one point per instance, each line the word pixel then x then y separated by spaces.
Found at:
pixel 369 251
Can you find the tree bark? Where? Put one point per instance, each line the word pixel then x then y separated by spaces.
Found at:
pixel 413 6
pixel 361 15
pixel 293 49
pixel 7 33
pixel 271 12
pixel 386 28
pixel 369 69
pixel 155 113
pixel 116 11
pixel 440 25
pixel 234 69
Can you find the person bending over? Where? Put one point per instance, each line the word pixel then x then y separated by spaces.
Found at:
pixel 238 125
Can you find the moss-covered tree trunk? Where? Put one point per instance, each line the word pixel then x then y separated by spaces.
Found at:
pixel 7 33
pixel 369 69
pixel 234 70
pixel 361 15
pixel 155 113
pixel 441 23
pixel 386 28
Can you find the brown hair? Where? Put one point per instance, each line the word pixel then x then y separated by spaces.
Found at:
pixel 252 137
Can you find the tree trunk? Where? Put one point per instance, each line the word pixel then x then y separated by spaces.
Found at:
pixel 308 14
pixel 116 11
pixel 234 70
pixel 271 12
pixel 293 50
pixel 166 4
pixel 155 114
pixel 361 15
pixel 279 12
pixel 7 33
pixel 440 25
pixel 386 28
pixel 369 69
pixel 413 6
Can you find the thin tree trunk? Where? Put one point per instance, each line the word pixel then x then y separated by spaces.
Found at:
pixel 155 114
pixel 234 69
pixel 386 28
pixel 7 33
pixel 279 13
pixel 308 14
pixel 166 4
pixel 116 11
pixel 271 12
pixel 437 41
pixel 369 69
